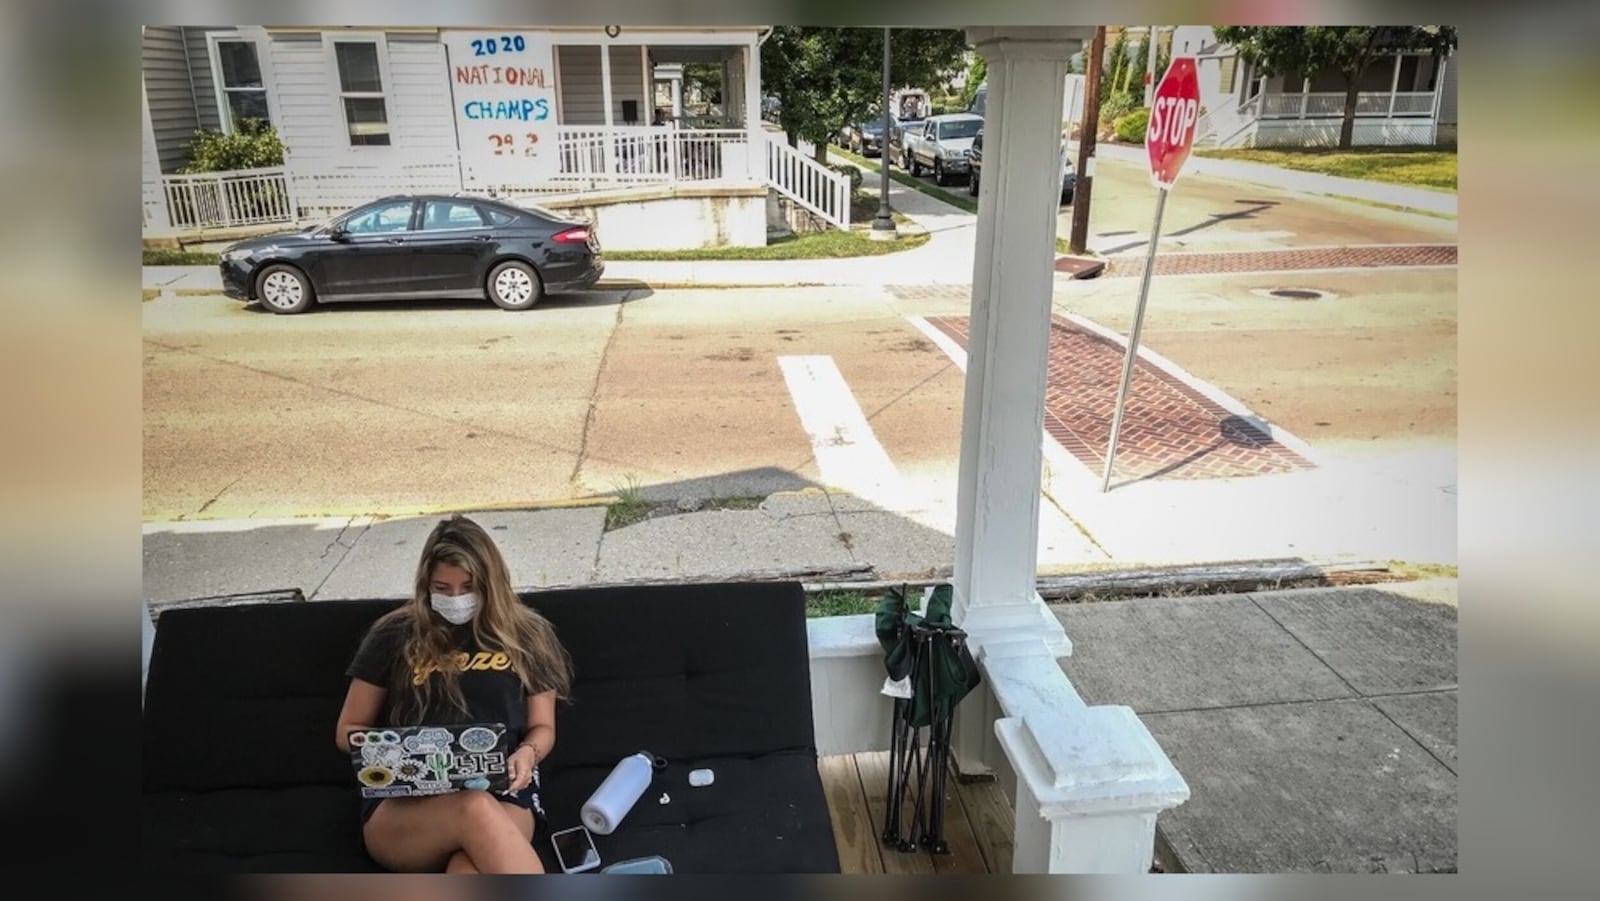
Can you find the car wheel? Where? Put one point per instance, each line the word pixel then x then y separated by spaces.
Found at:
pixel 284 289
pixel 513 285
pixel 915 168
pixel 972 183
pixel 938 174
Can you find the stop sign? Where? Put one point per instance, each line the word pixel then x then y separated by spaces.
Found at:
pixel 1174 115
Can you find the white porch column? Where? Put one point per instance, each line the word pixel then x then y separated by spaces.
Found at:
pixel 997 518
pixel 1394 84
pixel 1305 95
pixel 752 108
pixel 1089 781
pixel 609 145
pixel 150 172
pixel 677 97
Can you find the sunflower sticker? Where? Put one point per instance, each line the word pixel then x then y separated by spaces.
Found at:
pixel 376 776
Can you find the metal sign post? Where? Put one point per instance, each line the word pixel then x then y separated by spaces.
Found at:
pixel 1133 340
pixel 1174 115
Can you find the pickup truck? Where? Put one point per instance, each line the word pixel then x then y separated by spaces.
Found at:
pixel 940 146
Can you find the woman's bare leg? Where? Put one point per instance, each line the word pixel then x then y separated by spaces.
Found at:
pixel 460 863
pixel 423 834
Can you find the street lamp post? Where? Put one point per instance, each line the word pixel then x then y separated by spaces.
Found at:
pixel 883 226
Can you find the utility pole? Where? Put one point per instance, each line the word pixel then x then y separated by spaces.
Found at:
pixel 1084 183
pixel 1150 72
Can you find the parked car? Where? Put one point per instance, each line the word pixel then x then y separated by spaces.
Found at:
pixel 865 138
pixel 897 135
pixel 941 146
pixel 416 247
pixel 1069 178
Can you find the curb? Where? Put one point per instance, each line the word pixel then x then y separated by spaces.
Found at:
pixel 298 517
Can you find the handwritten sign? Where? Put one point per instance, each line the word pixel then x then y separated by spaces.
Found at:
pixel 503 87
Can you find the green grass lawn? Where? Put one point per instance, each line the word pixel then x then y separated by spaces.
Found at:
pixel 870 168
pixel 179 258
pixel 1422 168
pixel 840 603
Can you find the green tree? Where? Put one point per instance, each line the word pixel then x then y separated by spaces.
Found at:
pixel 1111 74
pixel 1346 49
pixel 828 78
pixel 977 74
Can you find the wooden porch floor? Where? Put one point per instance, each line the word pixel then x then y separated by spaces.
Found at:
pixel 977 821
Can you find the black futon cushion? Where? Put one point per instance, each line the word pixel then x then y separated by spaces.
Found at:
pixel 241 774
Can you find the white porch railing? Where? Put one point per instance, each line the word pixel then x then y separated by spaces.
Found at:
pixel 625 155
pixel 227 199
pixel 800 178
pixel 589 158
pixel 1331 105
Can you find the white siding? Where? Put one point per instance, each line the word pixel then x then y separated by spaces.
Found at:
pixel 166 84
pixel 420 111
pixel 305 90
pixel 205 87
pixel 417 99
pixel 582 95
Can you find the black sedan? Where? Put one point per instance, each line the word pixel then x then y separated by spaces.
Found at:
pixel 1069 178
pixel 418 247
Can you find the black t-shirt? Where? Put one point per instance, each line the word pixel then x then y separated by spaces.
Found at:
pixel 489 684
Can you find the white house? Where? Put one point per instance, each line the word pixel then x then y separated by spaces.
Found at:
pixel 565 114
pixel 1405 99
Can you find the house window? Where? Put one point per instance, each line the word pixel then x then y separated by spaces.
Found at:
pixel 243 92
pixel 366 112
pixel 445 215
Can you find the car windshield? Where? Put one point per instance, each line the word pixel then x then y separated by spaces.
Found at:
pixel 959 128
pixel 873 125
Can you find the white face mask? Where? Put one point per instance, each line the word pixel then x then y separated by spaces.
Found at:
pixel 455 610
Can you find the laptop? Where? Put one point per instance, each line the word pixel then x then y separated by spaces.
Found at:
pixel 415 761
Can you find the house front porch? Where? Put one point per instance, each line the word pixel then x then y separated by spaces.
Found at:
pixel 1403 100
pixel 551 112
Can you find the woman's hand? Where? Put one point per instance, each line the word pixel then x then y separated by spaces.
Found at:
pixel 520 767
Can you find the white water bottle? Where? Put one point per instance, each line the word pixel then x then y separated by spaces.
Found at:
pixel 617 795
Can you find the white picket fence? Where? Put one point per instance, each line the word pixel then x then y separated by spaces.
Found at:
pixel 591 158
pixel 228 199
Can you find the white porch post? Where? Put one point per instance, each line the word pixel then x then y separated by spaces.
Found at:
pixel 1089 780
pixel 160 215
pixel 752 108
pixel 1305 96
pixel 1394 85
pixel 609 144
pixel 677 97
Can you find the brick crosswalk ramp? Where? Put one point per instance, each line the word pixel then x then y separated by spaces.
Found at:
pixel 1132 265
pixel 1169 430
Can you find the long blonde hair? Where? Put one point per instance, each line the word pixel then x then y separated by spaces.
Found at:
pixel 502 623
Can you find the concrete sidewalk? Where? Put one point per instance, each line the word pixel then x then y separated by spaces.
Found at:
pixel 1316 727
pixel 1439 202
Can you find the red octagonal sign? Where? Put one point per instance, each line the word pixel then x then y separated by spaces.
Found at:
pixel 1174 115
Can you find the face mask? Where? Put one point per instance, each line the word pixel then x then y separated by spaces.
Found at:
pixel 455 610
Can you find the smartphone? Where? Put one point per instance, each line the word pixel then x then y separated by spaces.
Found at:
pixel 651 865
pixel 575 850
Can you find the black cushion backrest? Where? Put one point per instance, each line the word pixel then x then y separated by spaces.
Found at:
pixel 249 696
pixel 682 671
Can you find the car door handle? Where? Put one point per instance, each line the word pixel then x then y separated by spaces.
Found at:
pixel 396 241
pixel 482 237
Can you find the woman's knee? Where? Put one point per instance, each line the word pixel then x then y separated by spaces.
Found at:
pixel 479 810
